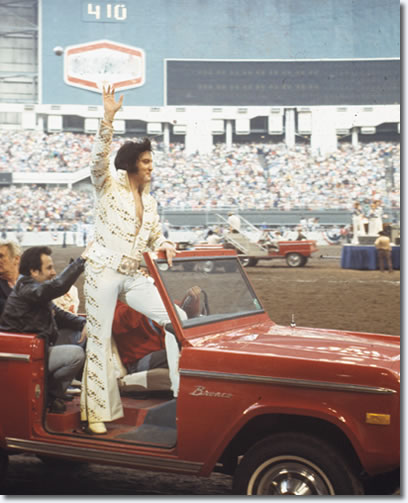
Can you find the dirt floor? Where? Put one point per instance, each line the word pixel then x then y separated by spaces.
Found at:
pixel 319 295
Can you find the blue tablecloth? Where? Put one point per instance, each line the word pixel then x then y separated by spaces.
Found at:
pixel 365 257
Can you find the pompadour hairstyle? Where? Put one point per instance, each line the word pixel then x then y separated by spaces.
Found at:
pixel 130 152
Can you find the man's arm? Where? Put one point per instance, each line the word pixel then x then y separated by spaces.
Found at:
pixel 157 241
pixel 66 319
pixel 49 290
pixel 100 153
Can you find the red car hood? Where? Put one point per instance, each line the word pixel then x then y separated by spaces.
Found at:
pixel 303 343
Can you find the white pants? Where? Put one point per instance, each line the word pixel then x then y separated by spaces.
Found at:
pixel 100 397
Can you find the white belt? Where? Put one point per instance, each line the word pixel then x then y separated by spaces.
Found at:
pixel 125 264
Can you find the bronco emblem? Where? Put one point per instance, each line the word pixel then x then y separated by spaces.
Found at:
pixel 202 391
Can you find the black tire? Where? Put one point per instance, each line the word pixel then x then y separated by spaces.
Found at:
pixel 304 261
pixel 249 262
pixel 294 464
pixel 3 466
pixel 294 259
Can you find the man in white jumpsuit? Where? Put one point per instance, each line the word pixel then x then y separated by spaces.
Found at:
pixel 126 225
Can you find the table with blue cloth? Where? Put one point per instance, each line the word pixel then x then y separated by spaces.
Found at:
pixel 365 257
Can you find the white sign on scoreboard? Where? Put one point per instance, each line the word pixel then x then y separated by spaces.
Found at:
pixel 92 65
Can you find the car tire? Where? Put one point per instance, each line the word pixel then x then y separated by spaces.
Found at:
pixel 294 464
pixel 294 259
pixel 208 266
pixel 304 261
pixel 249 261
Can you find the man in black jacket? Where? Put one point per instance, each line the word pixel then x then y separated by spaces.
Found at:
pixel 29 308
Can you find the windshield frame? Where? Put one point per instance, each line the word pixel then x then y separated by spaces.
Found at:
pixel 208 320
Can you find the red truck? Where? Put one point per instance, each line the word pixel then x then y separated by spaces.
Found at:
pixel 295 253
pixel 282 410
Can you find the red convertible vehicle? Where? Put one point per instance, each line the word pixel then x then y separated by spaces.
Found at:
pixel 296 253
pixel 283 410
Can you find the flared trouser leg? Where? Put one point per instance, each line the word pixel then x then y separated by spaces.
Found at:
pixel 100 397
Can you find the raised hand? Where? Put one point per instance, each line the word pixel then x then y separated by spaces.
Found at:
pixel 110 105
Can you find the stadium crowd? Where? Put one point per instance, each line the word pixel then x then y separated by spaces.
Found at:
pixel 35 151
pixel 272 176
pixel 246 176
pixel 34 208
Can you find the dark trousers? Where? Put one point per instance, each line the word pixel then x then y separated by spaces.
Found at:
pixel 384 256
pixel 154 360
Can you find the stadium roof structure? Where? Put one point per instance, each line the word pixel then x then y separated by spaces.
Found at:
pixel 18 51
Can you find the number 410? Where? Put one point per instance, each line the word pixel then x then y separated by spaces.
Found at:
pixel 116 11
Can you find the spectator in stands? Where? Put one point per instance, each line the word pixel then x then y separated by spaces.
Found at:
pixel 10 253
pixel 29 308
pixel 249 176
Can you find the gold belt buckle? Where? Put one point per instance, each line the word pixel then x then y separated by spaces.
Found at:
pixel 128 265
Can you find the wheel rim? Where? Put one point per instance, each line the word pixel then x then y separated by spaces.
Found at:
pixel 294 259
pixel 289 475
pixel 208 266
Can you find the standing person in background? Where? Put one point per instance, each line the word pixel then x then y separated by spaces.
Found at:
pixel 126 225
pixel 384 250
pixel 300 236
pixel 375 220
pixel 358 228
pixel 10 253
pixel 234 222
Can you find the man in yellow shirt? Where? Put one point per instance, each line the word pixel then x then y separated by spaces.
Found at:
pixel 383 245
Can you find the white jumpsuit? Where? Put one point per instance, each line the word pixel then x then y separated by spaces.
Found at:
pixel 119 242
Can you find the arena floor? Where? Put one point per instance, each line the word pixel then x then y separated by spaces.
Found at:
pixel 320 295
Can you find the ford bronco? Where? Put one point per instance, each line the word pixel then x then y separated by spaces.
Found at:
pixel 282 409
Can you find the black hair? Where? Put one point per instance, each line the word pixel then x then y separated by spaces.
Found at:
pixel 31 259
pixel 129 153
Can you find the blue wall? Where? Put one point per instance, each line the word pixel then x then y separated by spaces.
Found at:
pixel 217 29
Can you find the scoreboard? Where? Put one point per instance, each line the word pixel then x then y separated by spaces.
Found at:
pixel 220 52
pixel 108 12
pixel 283 83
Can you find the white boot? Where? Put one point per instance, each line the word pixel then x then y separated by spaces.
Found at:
pixel 97 428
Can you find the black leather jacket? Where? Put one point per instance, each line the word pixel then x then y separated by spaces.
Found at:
pixel 29 307
pixel 5 290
